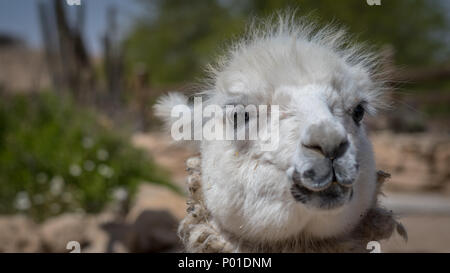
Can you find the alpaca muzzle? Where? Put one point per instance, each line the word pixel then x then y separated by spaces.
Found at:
pixel 329 195
pixel 327 184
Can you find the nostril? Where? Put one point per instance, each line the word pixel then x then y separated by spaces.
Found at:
pixel 309 174
pixel 315 148
pixel 340 150
pixel 334 153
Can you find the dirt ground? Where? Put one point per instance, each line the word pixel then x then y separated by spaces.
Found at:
pixel 424 213
pixel 426 218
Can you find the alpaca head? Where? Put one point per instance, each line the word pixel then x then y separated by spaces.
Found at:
pixel 320 178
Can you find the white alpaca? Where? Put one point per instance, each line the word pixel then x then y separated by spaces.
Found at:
pixel 321 180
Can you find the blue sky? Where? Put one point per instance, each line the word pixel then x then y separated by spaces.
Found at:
pixel 20 18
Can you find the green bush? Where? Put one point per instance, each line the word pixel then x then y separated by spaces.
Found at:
pixel 57 157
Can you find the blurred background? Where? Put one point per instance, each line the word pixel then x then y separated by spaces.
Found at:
pixel 83 159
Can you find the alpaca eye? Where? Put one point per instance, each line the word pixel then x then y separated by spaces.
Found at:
pixel 358 114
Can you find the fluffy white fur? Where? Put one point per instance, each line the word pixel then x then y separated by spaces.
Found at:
pixel 317 77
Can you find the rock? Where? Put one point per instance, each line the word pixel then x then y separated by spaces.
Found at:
pixel 57 232
pixel 17 234
pixel 95 233
pixel 416 161
pixel 106 234
pixel 442 162
pixel 150 226
pixel 153 219
pixel 156 197
pixel 154 231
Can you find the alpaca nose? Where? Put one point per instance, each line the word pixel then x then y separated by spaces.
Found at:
pixel 327 138
pixel 331 152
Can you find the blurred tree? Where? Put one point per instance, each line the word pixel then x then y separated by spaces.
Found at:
pixel 179 37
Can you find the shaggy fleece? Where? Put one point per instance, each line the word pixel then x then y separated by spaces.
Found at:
pixel 200 234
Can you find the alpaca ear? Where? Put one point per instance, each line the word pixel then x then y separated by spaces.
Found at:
pixel 164 105
pixel 168 108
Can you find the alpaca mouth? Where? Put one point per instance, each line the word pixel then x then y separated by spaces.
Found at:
pixel 330 187
pixel 330 198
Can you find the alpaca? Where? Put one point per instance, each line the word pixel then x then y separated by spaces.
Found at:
pixel 317 190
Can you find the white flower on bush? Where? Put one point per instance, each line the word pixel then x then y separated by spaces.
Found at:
pixel 105 171
pixel 102 154
pixel 57 185
pixel 22 201
pixel 89 165
pixel 120 194
pixel 75 170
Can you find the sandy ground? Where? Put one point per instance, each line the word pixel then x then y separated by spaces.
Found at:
pixel 425 216
pixel 167 155
pixel 426 233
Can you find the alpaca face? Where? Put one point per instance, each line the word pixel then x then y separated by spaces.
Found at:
pixel 321 178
